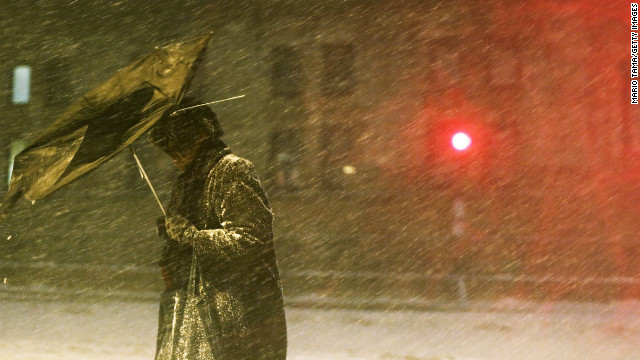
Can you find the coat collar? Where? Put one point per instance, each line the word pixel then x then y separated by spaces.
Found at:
pixel 211 151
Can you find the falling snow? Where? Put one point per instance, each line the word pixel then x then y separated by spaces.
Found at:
pixel 450 180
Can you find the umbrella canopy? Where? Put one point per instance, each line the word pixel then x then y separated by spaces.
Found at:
pixel 104 121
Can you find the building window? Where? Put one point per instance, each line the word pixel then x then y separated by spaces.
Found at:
pixel 504 70
pixel 286 71
pixel 57 73
pixel 444 62
pixel 338 70
pixel 21 84
pixel 284 155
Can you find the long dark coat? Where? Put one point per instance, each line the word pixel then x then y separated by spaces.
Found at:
pixel 236 280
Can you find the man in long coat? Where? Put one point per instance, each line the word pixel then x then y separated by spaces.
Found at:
pixel 223 297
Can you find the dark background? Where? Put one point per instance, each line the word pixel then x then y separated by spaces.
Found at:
pixel 346 107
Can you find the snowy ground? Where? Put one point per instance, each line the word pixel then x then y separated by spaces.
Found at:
pixel 126 330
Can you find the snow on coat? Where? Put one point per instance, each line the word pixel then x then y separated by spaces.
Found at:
pixel 234 307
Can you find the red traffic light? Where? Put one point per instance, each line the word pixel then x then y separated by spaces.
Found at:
pixel 461 141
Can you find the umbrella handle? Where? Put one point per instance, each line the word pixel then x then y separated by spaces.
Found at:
pixel 144 176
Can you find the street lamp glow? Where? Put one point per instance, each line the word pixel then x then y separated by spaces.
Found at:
pixel 460 141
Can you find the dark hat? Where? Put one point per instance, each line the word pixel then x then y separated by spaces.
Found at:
pixel 179 131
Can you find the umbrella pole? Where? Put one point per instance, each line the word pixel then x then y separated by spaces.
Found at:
pixel 144 176
pixel 205 104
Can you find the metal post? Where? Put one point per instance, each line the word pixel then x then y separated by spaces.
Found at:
pixel 463 300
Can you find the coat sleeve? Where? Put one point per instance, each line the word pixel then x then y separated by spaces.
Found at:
pixel 237 200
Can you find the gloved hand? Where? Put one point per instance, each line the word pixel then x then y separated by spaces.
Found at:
pixel 178 228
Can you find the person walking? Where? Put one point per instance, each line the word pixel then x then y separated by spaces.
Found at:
pixel 223 297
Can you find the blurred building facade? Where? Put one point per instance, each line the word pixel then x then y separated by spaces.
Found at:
pixel 343 101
